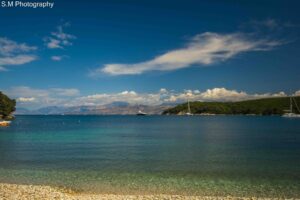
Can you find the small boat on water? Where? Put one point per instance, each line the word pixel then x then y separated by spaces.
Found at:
pixel 5 123
pixel 290 113
pixel 141 113
pixel 294 115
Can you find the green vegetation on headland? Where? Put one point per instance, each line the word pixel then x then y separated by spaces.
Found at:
pixel 268 106
pixel 7 106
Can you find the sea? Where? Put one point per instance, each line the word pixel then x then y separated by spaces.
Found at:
pixel 245 156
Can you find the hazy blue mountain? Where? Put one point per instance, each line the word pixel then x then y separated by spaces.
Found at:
pixel 114 108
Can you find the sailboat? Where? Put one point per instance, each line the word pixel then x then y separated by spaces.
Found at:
pixel 141 113
pixel 189 113
pixel 290 113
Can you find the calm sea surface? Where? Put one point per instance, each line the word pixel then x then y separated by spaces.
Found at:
pixel 205 155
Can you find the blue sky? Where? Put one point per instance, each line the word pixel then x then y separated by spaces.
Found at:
pixel 94 52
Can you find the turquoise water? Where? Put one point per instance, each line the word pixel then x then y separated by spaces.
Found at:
pixel 203 155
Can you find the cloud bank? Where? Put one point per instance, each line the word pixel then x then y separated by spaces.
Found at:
pixel 203 50
pixel 34 98
pixel 67 97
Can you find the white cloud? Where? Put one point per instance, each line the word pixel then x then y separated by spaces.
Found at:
pixel 268 23
pixel 9 47
pixel 163 90
pixel 24 91
pixel 27 92
pixel 223 94
pixel 25 99
pixel 204 49
pixel 59 39
pixel 297 93
pixel 53 44
pixel 13 53
pixel 65 92
pixel 279 94
pixel 58 58
pixel 128 92
pixel 17 60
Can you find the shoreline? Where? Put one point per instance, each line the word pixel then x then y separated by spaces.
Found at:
pixel 21 191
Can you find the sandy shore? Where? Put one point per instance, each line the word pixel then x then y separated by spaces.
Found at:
pixel 32 192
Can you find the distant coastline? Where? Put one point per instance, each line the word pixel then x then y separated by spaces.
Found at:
pixel 255 107
pixel 267 106
pixel 114 108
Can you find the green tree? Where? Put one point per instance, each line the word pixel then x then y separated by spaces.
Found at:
pixel 7 106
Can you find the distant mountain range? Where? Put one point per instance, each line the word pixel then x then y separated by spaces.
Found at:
pixel 115 108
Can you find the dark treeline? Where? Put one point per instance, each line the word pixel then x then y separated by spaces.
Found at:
pixel 7 106
pixel 268 106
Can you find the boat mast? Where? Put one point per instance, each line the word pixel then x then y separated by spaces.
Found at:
pixel 189 108
pixel 296 105
pixel 291 104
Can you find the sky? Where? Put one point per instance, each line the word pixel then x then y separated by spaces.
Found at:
pixel 149 52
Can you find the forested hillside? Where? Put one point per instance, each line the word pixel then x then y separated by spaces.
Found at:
pixel 268 106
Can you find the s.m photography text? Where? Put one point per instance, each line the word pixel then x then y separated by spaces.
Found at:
pixel 26 4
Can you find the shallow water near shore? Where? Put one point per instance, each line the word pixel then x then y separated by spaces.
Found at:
pixel 198 155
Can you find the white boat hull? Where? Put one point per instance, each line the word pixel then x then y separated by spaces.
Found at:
pixel 291 115
pixel 188 114
pixel 141 113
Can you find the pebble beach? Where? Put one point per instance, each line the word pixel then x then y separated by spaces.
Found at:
pixel 37 192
